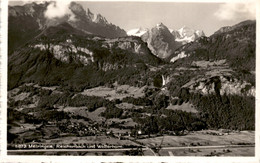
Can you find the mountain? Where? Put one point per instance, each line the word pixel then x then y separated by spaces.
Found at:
pixel 186 34
pixel 28 21
pixel 64 53
pixel 216 74
pixel 24 23
pixel 94 23
pixel 236 45
pixel 228 61
pixel 137 32
pixel 168 39
pixel 230 28
pixel 160 41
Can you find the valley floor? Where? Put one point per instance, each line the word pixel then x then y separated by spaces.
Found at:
pixel 199 143
pixel 114 121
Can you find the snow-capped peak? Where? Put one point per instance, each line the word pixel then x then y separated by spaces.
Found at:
pixel 180 31
pixel 171 30
pixel 200 33
pixel 137 32
pixel 187 34
pixel 183 35
pixel 186 31
pixel 160 26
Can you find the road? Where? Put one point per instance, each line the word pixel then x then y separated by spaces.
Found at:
pixel 125 149
pixel 206 147
pixel 70 150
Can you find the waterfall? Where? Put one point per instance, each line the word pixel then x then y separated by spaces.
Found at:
pixel 165 80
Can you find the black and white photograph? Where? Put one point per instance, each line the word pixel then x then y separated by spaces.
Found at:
pixel 131 78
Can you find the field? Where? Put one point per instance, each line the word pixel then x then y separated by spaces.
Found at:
pixel 118 92
pixel 82 111
pixel 245 151
pixel 201 143
pixel 184 107
pixel 202 138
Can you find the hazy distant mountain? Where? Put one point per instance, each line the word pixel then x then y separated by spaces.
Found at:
pixel 26 22
pixel 163 41
pixel 160 41
pixel 137 32
pixel 186 34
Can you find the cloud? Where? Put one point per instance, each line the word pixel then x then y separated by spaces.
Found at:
pixel 236 11
pixel 58 9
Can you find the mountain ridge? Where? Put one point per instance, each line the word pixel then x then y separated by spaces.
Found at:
pixel 234 44
pixel 179 34
pixel 167 43
pixel 160 41
pixel 64 48
pixel 230 28
pixel 31 21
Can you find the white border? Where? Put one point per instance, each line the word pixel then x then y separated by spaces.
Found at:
pixel 3 103
pixel 3 84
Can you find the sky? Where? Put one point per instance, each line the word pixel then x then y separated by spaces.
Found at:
pixel 208 17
